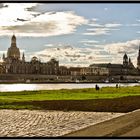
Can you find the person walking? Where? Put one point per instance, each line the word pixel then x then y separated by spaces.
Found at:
pixel 97 87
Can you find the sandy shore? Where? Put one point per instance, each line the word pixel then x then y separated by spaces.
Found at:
pixel 26 123
pixel 127 125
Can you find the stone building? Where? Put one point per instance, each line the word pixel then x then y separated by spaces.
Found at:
pixel 74 71
pixel 94 71
pixel 80 71
pixel 63 70
pixel 14 64
pixel 127 68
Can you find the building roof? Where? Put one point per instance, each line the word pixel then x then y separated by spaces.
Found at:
pixel 107 65
pixel 75 68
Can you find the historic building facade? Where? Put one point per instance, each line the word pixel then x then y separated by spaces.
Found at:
pixel 92 71
pixel 126 68
pixel 14 64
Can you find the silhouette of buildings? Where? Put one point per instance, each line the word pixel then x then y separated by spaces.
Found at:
pixel 126 68
pixel 14 63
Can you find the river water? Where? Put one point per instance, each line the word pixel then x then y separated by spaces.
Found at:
pixel 31 87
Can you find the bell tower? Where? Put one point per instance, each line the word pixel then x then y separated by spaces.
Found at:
pixel 125 60
pixel 138 59
pixel 3 57
pixel 23 57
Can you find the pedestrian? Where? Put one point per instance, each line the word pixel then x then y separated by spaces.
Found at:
pixel 117 86
pixel 97 87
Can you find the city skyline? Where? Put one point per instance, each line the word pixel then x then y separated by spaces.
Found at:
pixel 75 34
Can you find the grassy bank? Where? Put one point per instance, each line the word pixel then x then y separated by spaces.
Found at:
pixel 70 94
pixel 36 99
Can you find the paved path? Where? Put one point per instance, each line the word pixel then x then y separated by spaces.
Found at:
pixel 25 123
pixel 126 125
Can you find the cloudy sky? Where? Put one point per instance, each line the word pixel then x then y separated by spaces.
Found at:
pixel 74 34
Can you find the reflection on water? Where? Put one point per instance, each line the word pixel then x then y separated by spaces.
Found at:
pixel 22 87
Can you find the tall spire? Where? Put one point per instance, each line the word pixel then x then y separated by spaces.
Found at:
pixel 129 60
pixel 23 57
pixel 138 59
pixel 125 60
pixel 139 49
pixel 3 56
pixel 13 41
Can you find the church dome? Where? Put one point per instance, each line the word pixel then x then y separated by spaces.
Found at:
pixel 34 59
pixel 13 51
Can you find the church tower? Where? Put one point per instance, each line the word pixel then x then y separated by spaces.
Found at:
pixel 3 57
pixel 130 63
pixel 23 58
pixel 125 60
pixel 13 51
pixel 138 59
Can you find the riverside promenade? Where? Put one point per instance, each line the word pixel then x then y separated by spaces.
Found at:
pixel 127 125
pixel 37 123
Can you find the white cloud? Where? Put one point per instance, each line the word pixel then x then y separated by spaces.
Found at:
pixel 122 47
pixel 118 49
pixel 97 29
pixel 84 56
pixel 111 25
pixel 12 12
pixel 71 56
pixel 49 45
pixel 94 19
pixel 16 18
pixel 89 42
pixel 95 25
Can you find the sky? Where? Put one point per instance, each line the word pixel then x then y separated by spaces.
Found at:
pixel 77 34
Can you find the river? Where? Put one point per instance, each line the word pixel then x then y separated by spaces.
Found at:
pixel 31 87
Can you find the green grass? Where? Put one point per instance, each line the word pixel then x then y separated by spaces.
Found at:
pixel 8 99
pixel 66 94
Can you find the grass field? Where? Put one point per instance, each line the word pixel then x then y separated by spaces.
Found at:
pixel 70 94
pixel 7 98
